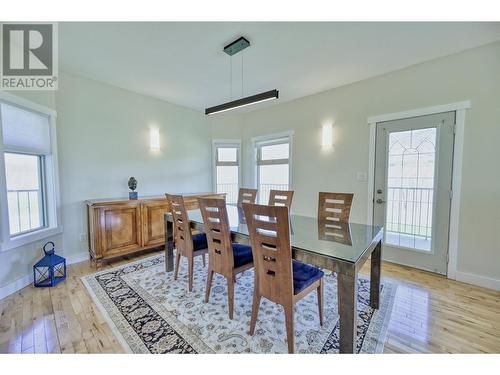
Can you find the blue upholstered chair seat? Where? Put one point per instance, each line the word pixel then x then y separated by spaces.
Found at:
pixel 242 254
pixel 304 275
pixel 200 241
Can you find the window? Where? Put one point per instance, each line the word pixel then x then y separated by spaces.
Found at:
pixel 273 165
pixel 227 168
pixel 23 174
pixel 28 204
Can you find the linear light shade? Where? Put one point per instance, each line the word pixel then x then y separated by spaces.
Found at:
pixel 254 99
pixel 327 135
pixel 154 139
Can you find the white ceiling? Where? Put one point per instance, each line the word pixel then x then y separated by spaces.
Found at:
pixel 183 63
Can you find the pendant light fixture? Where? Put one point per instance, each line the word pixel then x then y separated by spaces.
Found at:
pixel 231 49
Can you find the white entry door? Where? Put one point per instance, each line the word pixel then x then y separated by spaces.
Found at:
pixel 413 170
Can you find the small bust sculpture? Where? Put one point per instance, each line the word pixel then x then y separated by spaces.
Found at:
pixel 132 185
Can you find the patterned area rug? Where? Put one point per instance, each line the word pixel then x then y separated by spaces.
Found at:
pixel 150 312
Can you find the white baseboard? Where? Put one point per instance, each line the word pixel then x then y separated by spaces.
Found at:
pixel 77 258
pixel 485 282
pixel 19 284
pixel 26 280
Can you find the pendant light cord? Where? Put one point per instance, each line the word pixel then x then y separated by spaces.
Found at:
pixel 231 77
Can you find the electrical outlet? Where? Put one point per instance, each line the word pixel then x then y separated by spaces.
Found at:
pixel 83 237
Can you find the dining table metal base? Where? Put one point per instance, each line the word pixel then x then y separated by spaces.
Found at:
pixel 347 288
pixel 169 244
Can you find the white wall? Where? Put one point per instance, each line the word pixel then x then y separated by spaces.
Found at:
pixel 228 126
pixel 472 75
pixel 103 139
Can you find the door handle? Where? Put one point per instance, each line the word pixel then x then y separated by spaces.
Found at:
pixel 380 201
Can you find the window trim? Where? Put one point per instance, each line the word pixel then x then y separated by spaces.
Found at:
pixel 267 140
pixel 51 183
pixel 228 143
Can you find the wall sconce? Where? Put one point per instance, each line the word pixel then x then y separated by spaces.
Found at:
pixel 327 135
pixel 154 139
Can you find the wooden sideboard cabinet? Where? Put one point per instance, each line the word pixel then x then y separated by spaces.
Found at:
pixel 121 226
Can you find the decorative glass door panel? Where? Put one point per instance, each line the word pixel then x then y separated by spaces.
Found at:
pixel 410 188
pixel 413 165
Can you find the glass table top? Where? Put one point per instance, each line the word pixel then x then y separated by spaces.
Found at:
pixel 345 241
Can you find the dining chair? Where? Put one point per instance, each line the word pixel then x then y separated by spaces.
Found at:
pixel 224 257
pixel 173 229
pixel 247 196
pixel 187 244
pixel 278 277
pixel 281 198
pixel 334 207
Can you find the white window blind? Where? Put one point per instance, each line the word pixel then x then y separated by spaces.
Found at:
pixel 275 151
pixel 24 130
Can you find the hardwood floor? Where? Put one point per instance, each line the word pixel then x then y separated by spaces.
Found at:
pixel 431 314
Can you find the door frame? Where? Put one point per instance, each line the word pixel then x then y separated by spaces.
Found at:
pixel 456 181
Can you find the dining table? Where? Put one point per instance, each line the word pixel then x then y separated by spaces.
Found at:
pixel 341 247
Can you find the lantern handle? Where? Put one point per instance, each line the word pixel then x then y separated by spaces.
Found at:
pixel 50 251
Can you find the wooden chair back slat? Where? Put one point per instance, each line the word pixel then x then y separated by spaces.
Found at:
pixel 247 196
pixel 216 222
pixel 182 229
pixel 269 230
pixel 334 207
pixel 280 198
